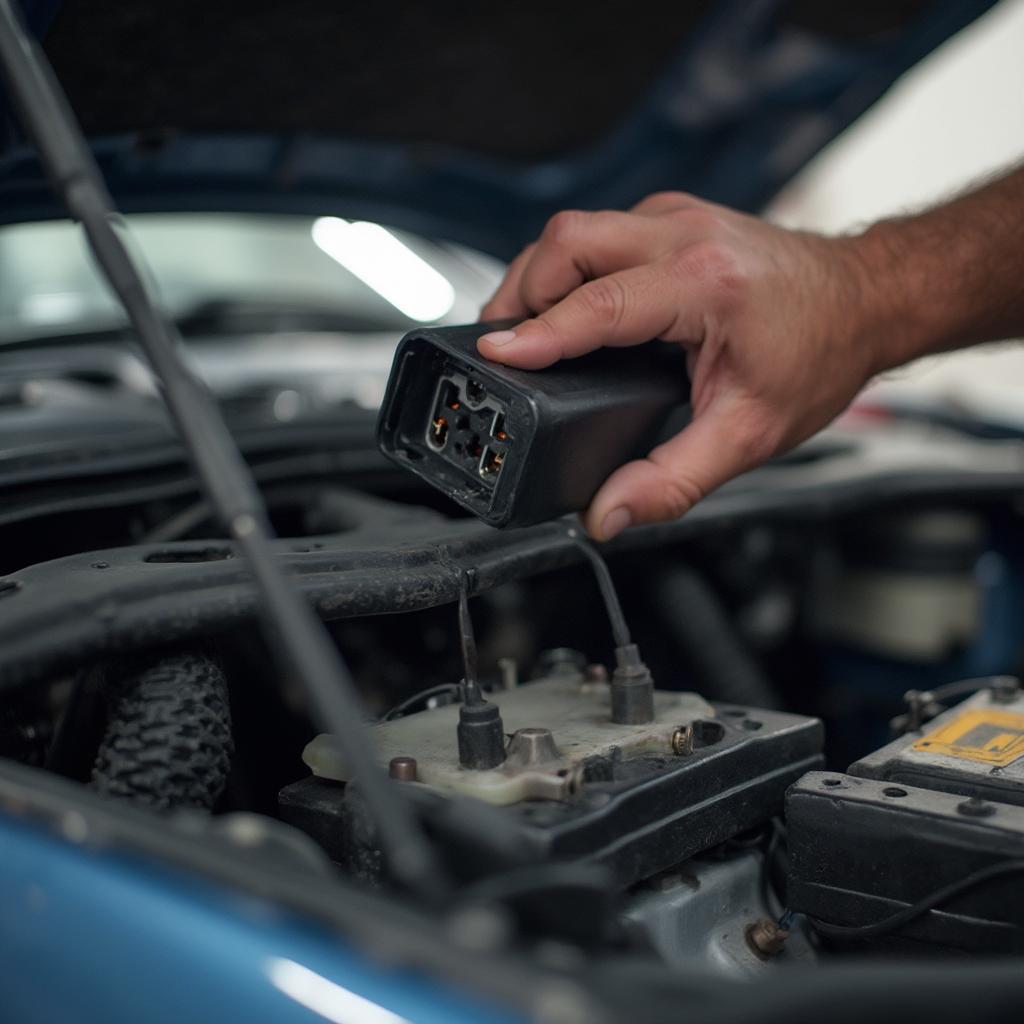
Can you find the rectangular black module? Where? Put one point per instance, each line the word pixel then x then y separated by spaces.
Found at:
pixel 863 849
pixel 637 815
pixel 517 447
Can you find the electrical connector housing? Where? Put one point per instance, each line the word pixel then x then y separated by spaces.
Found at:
pixel 517 447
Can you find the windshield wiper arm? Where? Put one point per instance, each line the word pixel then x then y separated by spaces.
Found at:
pixel 301 642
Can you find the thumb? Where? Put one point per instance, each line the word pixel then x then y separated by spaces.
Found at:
pixel 728 438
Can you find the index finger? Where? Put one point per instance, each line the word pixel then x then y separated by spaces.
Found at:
pixel 626 308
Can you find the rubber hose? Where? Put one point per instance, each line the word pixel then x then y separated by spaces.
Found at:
pixel 168 741
pixel 725 669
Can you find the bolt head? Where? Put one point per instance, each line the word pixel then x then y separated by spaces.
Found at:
pixel 403 769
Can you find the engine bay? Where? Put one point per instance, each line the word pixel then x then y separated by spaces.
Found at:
pixel 763 818
pixel 285 732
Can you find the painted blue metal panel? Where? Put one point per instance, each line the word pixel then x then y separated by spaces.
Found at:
pixel 103 938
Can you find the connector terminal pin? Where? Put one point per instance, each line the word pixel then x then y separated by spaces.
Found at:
pixel 438 434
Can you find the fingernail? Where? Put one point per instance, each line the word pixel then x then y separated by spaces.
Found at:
pixel 499 338
pixel 615 522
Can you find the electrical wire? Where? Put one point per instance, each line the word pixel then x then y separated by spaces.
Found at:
pixel 924 705
pixel 776 846
pixel 934 900
pixel 302 646
pixel 620 628
pixel 467 642
pixel 441 690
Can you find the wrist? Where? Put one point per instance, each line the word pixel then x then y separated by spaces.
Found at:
pixel 891 312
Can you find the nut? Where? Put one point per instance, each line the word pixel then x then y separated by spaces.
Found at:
pixel 766 938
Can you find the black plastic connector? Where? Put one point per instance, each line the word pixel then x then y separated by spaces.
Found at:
pixel 517 447
pixel 480 734
pixel 632 688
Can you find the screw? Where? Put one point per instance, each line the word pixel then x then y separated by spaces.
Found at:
pixel 766 938
pixel 402 769
pixel 682 740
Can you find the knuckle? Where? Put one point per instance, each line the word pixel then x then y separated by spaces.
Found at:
pixel 677 493
pixel 678 496
pixel 667 199
pixel 564 226
pixel 603 300
pixel 696 220
pixel 716 265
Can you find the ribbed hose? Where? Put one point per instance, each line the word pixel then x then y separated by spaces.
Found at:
pixel 717 654
pixel 168 742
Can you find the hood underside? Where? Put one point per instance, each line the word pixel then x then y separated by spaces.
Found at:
pixel 472 122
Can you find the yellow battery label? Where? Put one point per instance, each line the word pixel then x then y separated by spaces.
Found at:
pixel 982 735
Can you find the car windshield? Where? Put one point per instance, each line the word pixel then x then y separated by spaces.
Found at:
pixel 357 276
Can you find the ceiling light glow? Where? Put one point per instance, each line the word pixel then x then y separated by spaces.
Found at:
pixel 387 265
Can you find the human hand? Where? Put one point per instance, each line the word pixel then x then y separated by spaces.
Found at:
pixel 776 324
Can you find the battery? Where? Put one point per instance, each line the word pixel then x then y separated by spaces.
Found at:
pixel 974 749
pixel 861 850
pixel 912 819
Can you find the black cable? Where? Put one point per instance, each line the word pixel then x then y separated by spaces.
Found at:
pixel 769 892
pixel 441 690
pixel 896 921
pixel 620 629
pixel 301 644
pixel 924 705
pixel 957 689
pixel 467 642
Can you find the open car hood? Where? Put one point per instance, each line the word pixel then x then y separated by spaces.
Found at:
pixel 467 122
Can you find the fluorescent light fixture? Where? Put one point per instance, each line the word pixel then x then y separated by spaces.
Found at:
pixel 325 997
pixel 386 265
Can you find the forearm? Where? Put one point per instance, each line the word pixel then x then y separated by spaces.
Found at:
pixel 947 278
pixel 782 329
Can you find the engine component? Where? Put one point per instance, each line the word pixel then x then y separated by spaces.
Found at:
pixel 974 749
pixel 576 714
pixel 577 786
pixel 924 838
pixel 506 443
pixel 168 742
pixel 870 860
pixel 480 732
